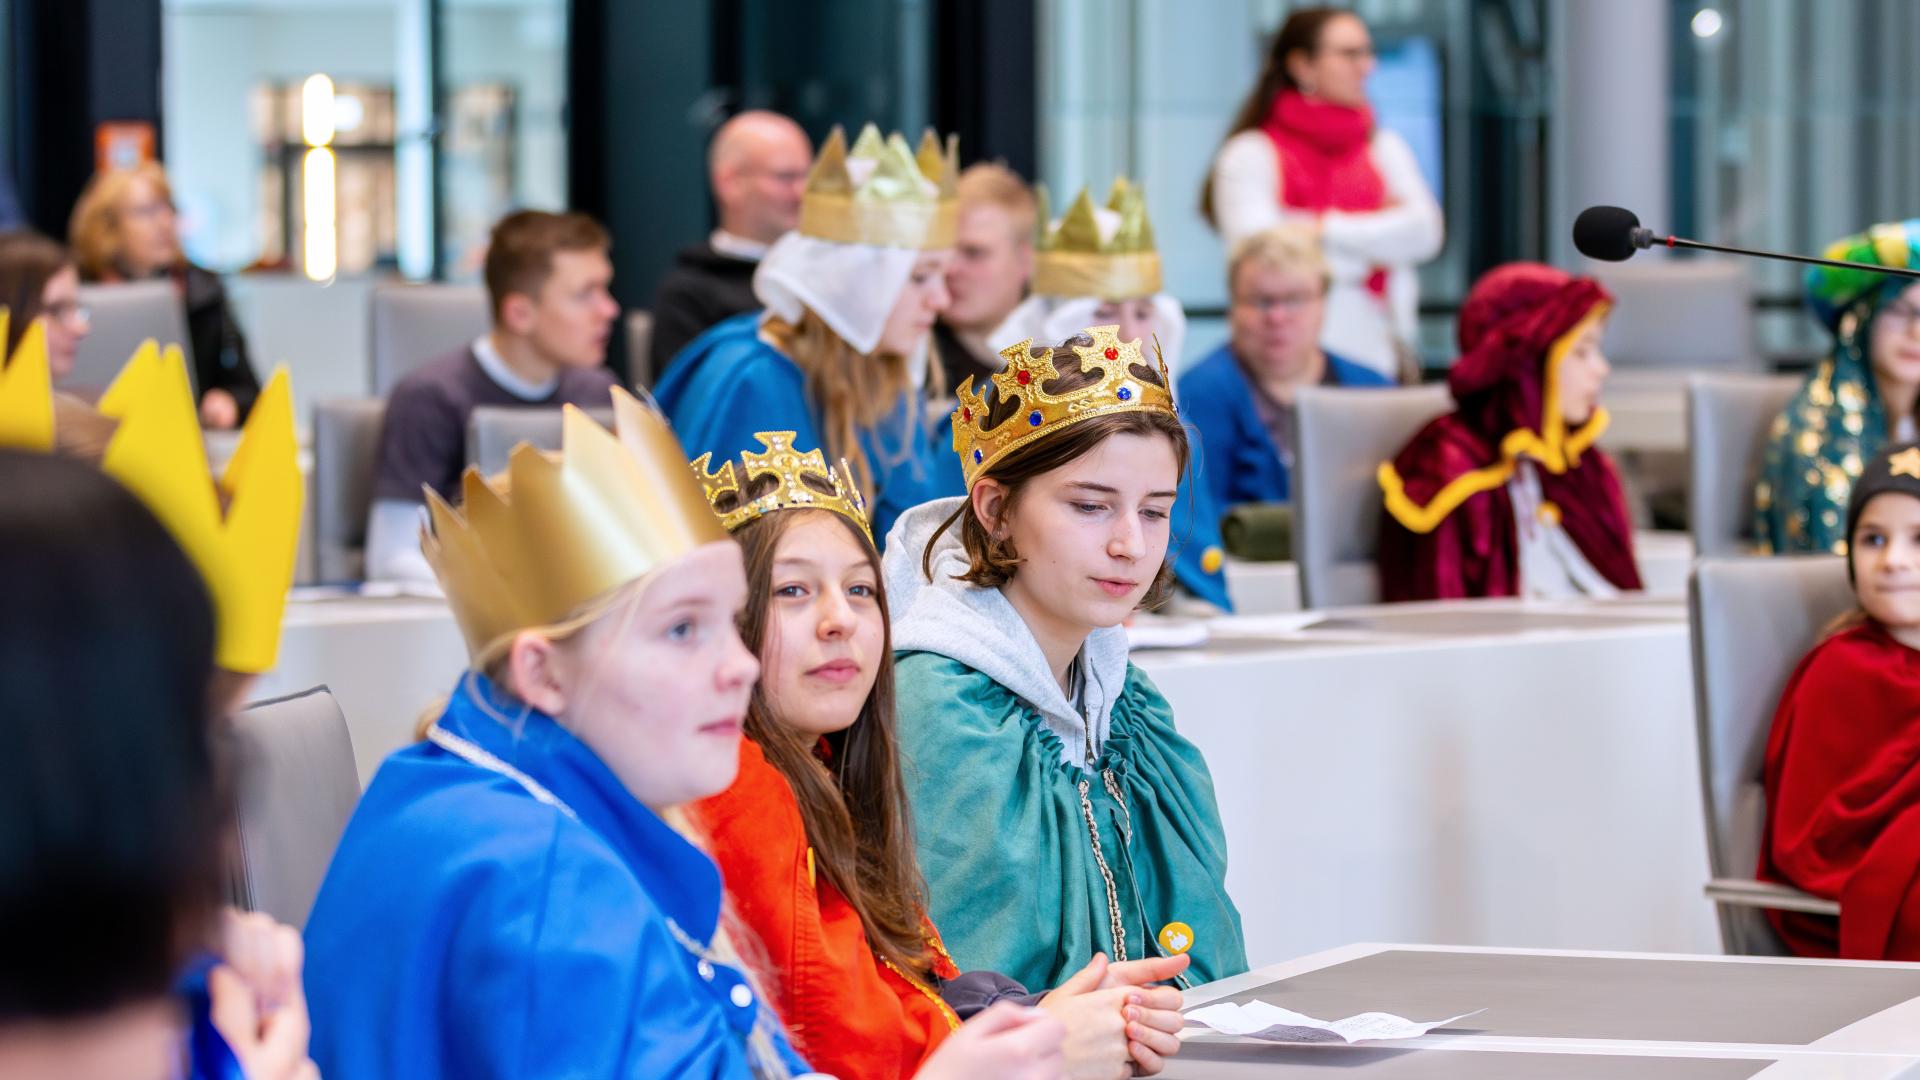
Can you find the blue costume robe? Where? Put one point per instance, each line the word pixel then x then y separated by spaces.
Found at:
pixel 729 383
pixel 1237 460
pixel 470 927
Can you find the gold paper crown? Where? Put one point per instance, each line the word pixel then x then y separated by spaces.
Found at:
pixel 568 528
pixel 26 390
pixel 882 193
pixel 792 470
pixel 1072 260
pixel 1029 369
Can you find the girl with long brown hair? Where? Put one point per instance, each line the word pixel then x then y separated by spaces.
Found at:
pixel 841 356
pixel 813 836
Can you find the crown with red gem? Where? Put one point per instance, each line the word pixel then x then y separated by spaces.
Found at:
pixel 1029 370
pixel 804 482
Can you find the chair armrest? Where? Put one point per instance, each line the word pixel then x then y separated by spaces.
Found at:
pixel 1742 892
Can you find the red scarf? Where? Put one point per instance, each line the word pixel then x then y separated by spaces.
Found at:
pixel 1326 160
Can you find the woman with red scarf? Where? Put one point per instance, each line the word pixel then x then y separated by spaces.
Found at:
pixel 1304 147
pixel 1507 495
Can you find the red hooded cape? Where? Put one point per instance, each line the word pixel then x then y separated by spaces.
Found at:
pixel 1843 797
pixel 1448 531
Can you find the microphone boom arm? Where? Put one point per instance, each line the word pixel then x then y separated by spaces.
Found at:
pixel 1645 238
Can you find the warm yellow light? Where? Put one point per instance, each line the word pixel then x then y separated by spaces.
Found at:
pixel 316 110
pixel 320 243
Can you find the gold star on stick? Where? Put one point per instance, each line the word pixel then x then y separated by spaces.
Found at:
pixel 1905 463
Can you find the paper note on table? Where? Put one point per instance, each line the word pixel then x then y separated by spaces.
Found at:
pixel 1259 1020
pixel 1156 632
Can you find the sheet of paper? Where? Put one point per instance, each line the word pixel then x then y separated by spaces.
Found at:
pixel 1278 624
pixel 1260 1020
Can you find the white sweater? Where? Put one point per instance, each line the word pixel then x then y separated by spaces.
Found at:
pixel 1246 200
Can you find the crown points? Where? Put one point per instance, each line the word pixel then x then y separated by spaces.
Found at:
pixel 882 192
pixel 1105 252
pixel 1029 374
pixel 801 480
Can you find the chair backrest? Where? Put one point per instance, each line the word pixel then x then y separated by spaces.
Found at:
pixel 640 348
pixel 1753 619
pixel 494 430
pixel 123 317
pixel 1340 437
pixel 298 786
pixel 411 324
pixel 346 449
pixel 1692 313
pixel 1728 417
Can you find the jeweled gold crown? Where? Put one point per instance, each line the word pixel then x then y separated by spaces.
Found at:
pixel 26 390
pixel 1071 259
pixel 556 531
pixel 802 481
pixel 1029 368
pixel 882 193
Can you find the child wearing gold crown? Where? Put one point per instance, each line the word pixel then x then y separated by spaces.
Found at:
pixel 840 356
pixel 813 837
pixel 512 896
pixel 1843 796
pixel 1057 810
pixel 1098 265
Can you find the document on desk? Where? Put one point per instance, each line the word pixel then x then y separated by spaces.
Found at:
pixel 1259 1020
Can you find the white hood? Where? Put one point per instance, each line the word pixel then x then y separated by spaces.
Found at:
pixel 980 629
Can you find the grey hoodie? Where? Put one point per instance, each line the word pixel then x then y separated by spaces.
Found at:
pixel 980 629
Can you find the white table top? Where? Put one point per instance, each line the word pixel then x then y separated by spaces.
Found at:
pixel 1569 1013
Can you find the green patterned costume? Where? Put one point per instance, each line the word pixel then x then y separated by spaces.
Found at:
pixel 1836 423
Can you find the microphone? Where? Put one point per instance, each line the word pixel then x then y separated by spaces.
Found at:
pixel 1613 234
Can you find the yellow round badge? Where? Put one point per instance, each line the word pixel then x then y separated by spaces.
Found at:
pixel 1212 559
pixel 1176 937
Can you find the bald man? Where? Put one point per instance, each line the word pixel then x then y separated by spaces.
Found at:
pixel 758 167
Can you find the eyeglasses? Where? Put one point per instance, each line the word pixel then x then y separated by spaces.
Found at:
pixel 70 311
pixel 1899 313
pixel 1357 54
pixel 1291 302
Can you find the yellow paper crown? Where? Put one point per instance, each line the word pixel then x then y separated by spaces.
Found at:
pixel 565 529
pixel 26 390
pixel 1029 369
pixel 1071 259
pixel 882 193
pixel 804 481
pixel 246 553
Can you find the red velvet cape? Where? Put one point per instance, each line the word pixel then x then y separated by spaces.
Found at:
pixel 1843 797
pixel 1452 470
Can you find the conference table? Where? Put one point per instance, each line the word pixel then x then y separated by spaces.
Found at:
pixel 1493 772
pixel 1263 588
pixel 1573 1015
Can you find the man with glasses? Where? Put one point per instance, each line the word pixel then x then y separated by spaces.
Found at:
pixel 1240 397
pixel 758 167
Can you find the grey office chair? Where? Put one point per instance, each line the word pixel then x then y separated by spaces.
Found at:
pixel 411 324
pixel 1681 314
pixel 346 448
pixel 639 348
pixel 1340 437
pixel 494 430
pixel 1728 419
pixel 123 317
pixel 298 786
pixel 1753 619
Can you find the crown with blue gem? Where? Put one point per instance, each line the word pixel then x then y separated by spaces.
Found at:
pixel 802 482
pixel 1029 370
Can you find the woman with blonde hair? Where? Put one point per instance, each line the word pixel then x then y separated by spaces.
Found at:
pixel 840 356
pixel 124 229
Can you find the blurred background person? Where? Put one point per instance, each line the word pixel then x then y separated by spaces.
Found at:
pixel 1304 146
pixel 987 279
pixel 38 278
pixel 124 229
pixel 757 164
